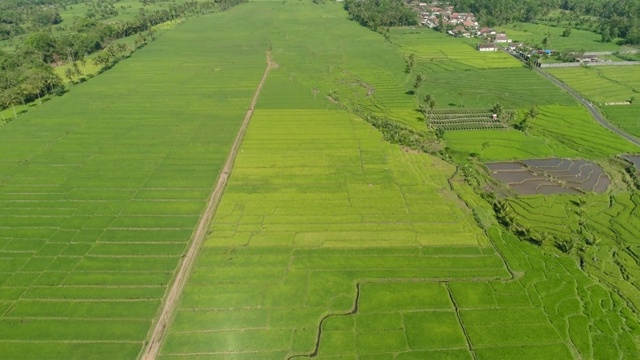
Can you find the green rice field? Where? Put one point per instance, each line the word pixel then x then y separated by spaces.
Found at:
pixel 457 75
pixel 100 191
pixel 557 131
pixel 313 246
pixel 328 241
pixel 612 87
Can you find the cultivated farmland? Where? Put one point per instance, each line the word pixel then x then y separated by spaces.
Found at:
pixel 100 191
pixel 550 176
pixel 458 75
pixel 557 131
pixel 614 88
pixel 330 242
pixel 465 119
pixel 601 84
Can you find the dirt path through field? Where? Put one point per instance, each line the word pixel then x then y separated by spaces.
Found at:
pixel 153 347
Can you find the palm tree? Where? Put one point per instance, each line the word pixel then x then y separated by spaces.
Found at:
pixel 411 61
pixel 546 40
pixel 76 69
pixel 69 74
pixel 418 81
pixel 497 109
pixel 532 113
pixel 10 98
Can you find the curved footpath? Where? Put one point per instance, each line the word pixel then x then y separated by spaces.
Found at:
pixel 592 109
pixel 153 347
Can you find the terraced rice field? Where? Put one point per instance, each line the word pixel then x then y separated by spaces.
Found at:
pixel 550 176
pixel 557 131
pixel 614 85
pixel 449 53
pixel 100 191
pixel 627 117
pixel 601 84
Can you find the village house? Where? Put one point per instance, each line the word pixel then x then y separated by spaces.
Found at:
pixel 461 24
pixel 514 46
pixel 501 38
pixel 487 47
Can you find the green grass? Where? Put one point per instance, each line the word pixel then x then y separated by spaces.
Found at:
pixel 578 40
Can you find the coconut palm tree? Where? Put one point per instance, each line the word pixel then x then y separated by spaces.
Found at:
pixel 10 98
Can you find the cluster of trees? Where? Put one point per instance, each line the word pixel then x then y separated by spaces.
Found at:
pixel 376 14
pixel 400 134
pixel 102 9
pixel 21 16
pixel 500 12
pixel 24 77
pixel 610 18
pixel 27 74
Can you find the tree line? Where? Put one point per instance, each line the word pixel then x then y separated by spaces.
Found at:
pixel 27 73
pixel 376 14
pixel 610 18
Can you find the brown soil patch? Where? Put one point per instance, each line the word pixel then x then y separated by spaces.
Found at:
pixel 551 176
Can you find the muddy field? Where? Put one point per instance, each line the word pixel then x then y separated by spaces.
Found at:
pixel 551 176
pixel 635 160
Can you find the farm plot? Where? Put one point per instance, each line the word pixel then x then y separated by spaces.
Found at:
pixel 603 228
pixel 605 84
pixel 557 131
pixel 627 117
pixel 550 176
pixel 316 202
pixel 448 52
pixel 634 160
pixel 573 128
pixel 463 119
pixel 513 88
pixel 100 191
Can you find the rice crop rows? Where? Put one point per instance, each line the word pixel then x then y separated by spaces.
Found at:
pixel 454 54
pixel 100 191
pixel 601 84
pixel 328 242
pixel 465 119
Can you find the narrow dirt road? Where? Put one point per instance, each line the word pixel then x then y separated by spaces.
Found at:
pixel 153 347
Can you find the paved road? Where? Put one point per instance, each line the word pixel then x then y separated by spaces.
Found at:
pixel 592 109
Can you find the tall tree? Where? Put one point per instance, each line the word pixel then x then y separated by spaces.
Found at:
pixel 10 98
